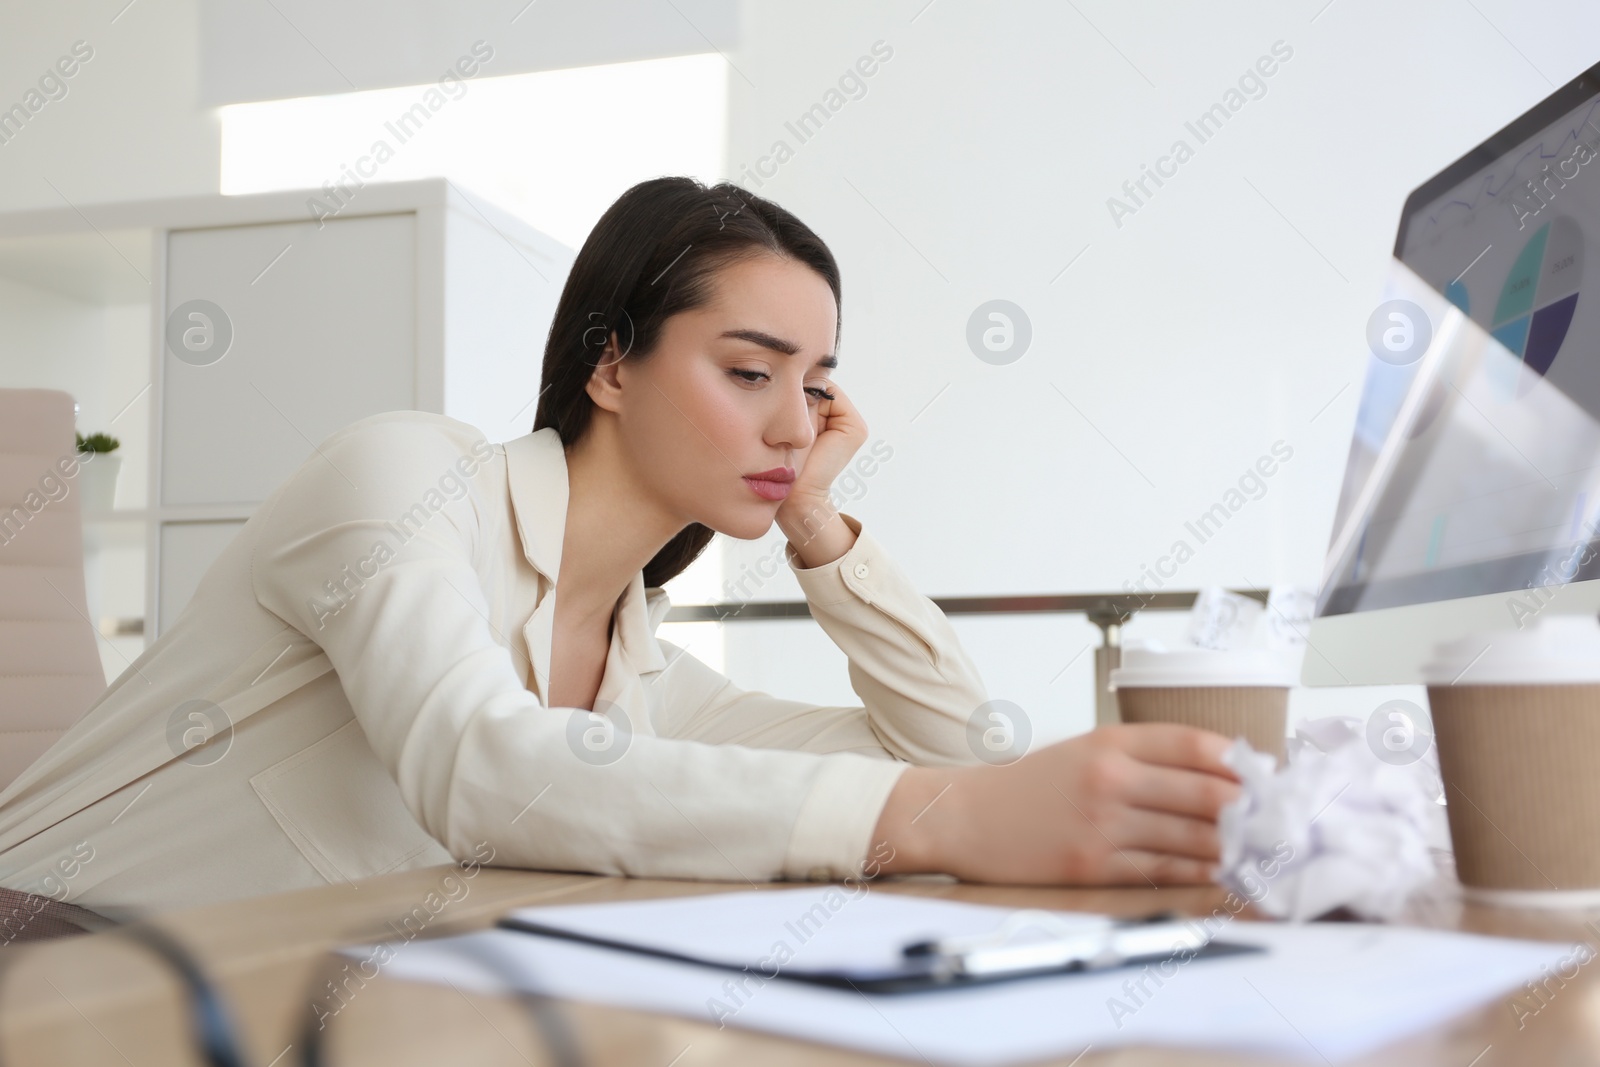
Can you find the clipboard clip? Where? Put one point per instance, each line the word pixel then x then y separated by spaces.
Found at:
pixel 1089 943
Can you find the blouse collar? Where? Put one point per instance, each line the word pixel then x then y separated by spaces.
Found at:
pixel 536 467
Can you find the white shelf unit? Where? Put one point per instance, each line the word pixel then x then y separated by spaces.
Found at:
pixel 414 295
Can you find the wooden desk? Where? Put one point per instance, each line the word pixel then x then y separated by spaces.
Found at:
pixel 94 1000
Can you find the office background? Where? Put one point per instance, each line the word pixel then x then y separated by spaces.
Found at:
pixel 996 152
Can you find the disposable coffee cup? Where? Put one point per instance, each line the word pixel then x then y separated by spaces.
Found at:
pixel 1516 718
pixel 1234 692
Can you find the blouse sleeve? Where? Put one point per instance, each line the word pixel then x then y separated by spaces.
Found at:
pixel 368 550
pixel 919 688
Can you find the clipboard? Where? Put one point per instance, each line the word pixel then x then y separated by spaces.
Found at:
pixel 1349 991
pixel 1005 954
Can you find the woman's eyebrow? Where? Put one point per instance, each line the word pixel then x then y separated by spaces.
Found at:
pixel 776 344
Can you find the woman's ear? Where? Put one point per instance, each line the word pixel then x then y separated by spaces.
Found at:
pixel 605 385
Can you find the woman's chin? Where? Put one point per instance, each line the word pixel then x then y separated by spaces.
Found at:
pixel 748 527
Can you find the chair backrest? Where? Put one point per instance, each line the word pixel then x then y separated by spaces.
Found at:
pixel 50 670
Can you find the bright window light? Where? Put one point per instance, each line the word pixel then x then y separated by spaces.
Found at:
pixel 554 147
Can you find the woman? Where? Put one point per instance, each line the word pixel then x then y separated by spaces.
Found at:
pixel 383 671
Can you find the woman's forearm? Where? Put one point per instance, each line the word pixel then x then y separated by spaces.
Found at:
pixel 908 824
pixel 907 666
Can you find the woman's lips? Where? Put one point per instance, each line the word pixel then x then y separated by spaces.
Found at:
pixel 769 490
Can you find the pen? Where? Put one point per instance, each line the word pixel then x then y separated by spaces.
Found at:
pixel 1069 944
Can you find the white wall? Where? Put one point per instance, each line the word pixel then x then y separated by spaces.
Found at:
pixel 292 48
pixel 1225 314
pixel 129 125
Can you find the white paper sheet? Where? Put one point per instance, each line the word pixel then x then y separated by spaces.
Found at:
pixel 1322 991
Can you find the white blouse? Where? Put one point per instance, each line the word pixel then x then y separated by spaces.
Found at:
pixel 358 687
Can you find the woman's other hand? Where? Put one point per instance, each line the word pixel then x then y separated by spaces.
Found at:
pixel 1132 804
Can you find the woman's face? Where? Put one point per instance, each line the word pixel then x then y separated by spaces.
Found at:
pixel 731 390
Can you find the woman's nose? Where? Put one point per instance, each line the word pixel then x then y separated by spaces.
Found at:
pixel 795 422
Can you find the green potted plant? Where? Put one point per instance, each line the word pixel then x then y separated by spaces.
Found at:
pixel 98 474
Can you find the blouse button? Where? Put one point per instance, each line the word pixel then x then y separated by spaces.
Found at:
pixel 861 570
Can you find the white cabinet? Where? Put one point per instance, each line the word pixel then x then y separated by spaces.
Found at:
pixel 261 331
pixel 187 549
pixel 319 329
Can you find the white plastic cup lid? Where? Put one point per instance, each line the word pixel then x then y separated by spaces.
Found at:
pixel 1552 650
pixel 1155 667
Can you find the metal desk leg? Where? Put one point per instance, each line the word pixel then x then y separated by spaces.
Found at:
pixel 1107 656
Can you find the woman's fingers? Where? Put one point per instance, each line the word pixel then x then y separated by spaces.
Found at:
pixel 1174 745
pixel 1174 835
pixel 1177 791
pixel 1133 866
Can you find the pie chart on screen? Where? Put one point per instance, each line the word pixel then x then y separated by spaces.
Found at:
pixel 1538 300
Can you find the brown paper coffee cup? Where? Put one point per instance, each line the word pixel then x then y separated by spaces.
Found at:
pixel 1258 713
pixel 1522 794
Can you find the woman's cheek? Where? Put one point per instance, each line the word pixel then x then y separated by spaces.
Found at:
pixel 727 418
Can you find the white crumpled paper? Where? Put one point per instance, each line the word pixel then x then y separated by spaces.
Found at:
pixel 1335 827
pixel 1221 619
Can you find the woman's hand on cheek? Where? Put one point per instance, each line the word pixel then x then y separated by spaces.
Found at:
pixel 842 435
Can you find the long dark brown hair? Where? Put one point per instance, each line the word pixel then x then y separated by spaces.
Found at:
pixel 654 253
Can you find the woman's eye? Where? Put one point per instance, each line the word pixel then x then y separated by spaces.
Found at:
pixel 754 376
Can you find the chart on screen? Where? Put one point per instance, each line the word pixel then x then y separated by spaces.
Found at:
pixel 1538 300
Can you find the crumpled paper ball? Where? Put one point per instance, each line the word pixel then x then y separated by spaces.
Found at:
pixel 1335 827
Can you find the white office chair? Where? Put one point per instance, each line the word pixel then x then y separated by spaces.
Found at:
pixel 50 668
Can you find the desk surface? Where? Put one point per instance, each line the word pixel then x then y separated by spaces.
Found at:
pixel 92 999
